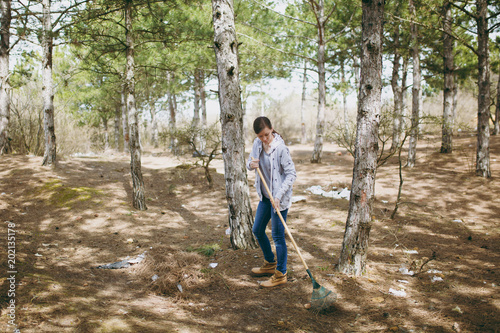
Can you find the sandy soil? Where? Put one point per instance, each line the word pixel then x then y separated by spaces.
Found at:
pixel 71 219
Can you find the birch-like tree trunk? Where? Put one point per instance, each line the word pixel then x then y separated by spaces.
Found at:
pixel 138 198
pixel 231 116
pixel 203 99
pixel 196 88
pixel 320 121
pixel 5 89
pixel 447 128
pixel 117 127
pixel 359 220
pixel 154 124
pixel 303 106
pixel 344 103
pixel 172 106
pixel 126 137
pixel 106 133
pixel 49 157
pixel 483 112
pixel 397 89
pixel 417 78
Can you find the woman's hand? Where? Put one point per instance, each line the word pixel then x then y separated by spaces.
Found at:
pixel 254 164
pixel 277 204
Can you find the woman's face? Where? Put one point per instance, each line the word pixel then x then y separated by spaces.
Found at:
pixel 266 135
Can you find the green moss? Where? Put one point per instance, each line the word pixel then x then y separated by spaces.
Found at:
pixel 65 196
pixel 207 250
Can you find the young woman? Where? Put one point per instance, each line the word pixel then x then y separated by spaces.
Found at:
pixel 272 156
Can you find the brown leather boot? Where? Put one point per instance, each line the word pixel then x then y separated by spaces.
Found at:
pixel 275 280
pixel 265 270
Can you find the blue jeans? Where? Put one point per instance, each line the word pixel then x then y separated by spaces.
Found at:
pixel 265 212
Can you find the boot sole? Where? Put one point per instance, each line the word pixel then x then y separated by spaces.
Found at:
pixel 276 285
pixel 261 274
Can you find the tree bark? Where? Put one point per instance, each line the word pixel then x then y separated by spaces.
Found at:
pixel 397 89
pixel 483 113
pixel 417 77
pixel 344 104
pixel 320 121
pixel 154 124
pixel 303 106
pixel 49 157
pixel 5 89
pixel 117 127
pixel 138 198
pixel 203 99
pixel 447 129
pixel 172 106
pixel 231 116
pixel 126 137
pixel 359 220
pixel 106 133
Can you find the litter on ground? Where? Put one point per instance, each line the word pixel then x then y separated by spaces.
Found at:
pixel 125 263
pixel 343 194
pixel 399 293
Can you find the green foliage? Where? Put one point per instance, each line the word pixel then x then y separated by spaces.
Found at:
pixel 207 249
pixel 63 196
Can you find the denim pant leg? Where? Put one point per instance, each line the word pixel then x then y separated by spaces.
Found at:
pixel 279 240
pixel 262 217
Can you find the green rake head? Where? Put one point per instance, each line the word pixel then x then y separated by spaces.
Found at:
pixel 322 298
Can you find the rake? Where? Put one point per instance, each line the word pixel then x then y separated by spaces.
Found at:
pixel 321 298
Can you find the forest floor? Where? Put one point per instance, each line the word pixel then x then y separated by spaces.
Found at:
pixel 73 218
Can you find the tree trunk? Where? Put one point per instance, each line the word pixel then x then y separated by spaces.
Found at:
pixel 126 137
pixel 447 130
pixel 117 127
pixel 397 89
pixel 231 116
pixel 138 199
pixel 415 105
pixel 5 89
pixel 49 157
pixel 154 124
pixel 496 126
pixel 344 104
pixel 106 133
pixel 172 106
pixel 483 113
pixel 355 244
pixel 455 98
pixel 203 106
pixel 203 99
pixel 404 93
pixel 320 121
pixel 303 106
pixel 196 115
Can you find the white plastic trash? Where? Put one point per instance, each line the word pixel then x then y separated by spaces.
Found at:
pixel 399 293
pixel 436 278
pixel 213 265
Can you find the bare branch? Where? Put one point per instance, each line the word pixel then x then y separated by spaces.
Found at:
pixel 277 36
pixel 279 50
pixel 284 15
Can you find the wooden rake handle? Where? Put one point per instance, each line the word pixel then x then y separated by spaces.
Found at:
pixel 281 218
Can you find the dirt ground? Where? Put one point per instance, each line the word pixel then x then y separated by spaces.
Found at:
pixel 69 220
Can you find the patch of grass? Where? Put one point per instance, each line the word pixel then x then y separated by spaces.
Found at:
pixel 207 250
pixel 65 196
